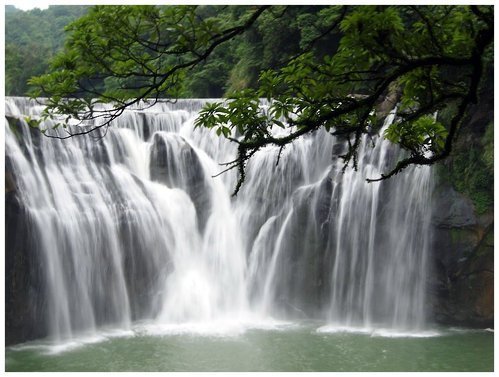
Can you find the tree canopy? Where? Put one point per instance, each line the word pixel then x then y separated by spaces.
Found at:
pixel 334 66
pixel 32 38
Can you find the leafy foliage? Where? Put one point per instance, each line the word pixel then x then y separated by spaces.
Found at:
pixel 471 170
pixel 333 66
pixel 419 137
pixel 471 177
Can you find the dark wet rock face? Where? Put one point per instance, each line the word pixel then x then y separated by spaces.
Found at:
pixel 175 163
pixel 25 309
pixel 462 288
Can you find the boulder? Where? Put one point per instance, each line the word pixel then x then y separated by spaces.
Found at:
pixel 452 209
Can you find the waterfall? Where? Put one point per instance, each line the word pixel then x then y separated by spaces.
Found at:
pixel 132 226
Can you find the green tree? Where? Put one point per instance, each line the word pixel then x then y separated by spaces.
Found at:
pixel 31 39
pixel 345 59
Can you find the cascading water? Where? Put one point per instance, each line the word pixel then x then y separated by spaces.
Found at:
pixel 132 226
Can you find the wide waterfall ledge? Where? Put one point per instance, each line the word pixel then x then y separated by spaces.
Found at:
pixel 132 228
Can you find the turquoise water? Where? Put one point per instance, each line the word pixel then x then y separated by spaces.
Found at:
pixel 280 348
